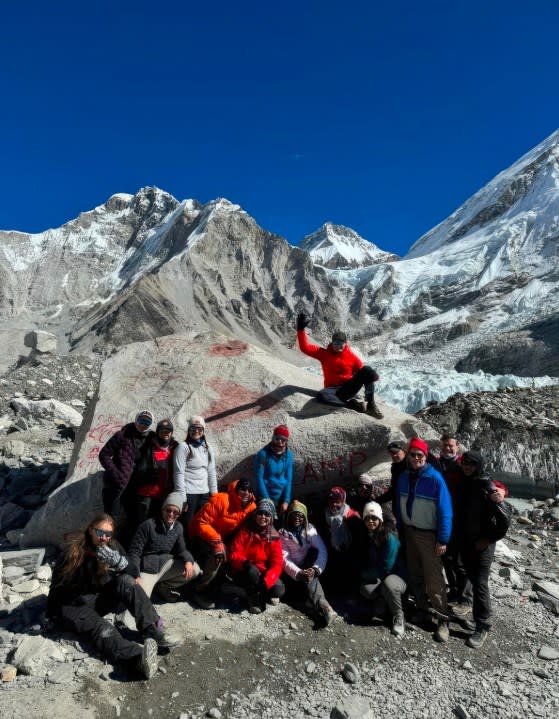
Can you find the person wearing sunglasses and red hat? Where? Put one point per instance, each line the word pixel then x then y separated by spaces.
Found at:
pixel 273 470
pixel 424 516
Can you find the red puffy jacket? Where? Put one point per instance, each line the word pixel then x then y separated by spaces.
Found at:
pixel 337 367
pixel 262 550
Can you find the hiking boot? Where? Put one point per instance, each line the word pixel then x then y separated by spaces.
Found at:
pixel 356 405
pixel 398 625
pixel 274 601
pixel 203 601
pixel 468 624
pixel 461 610
pixel 328 613
pixel 373 410
pixel 161 639
pixel 477 640
pixel 168 595
pixel 442 633
pixel 148 658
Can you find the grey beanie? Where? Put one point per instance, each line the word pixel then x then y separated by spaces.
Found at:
pixel 175 498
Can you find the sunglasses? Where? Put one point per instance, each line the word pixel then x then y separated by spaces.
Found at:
pixel 172 512
pixel 144 422
pixel 102 533
pixel 195 428
pixel 166 430
pixel 262 513
pixel 416 455
pixel 370 518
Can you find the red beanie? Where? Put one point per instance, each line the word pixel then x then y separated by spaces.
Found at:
pixel 417 443
pixel 281 430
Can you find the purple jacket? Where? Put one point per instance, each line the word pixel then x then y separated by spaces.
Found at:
pixel 117 456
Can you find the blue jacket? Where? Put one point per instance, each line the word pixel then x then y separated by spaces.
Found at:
pixel 424 503
pixel 273 475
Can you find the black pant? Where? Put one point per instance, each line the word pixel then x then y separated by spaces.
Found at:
pixel 459 586
pixel 478 566
pixel 87 620
pixel 365 377
pixel 257 594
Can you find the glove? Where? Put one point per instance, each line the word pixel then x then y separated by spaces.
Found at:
pixel 302 321
pixel 219 552
pixel 111 557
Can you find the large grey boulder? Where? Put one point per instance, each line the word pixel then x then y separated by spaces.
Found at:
pixel 42 342
pixel 243 392
pixel 47 409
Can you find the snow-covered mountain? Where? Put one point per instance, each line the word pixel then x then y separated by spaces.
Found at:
pixel 337 247
pixel 470 293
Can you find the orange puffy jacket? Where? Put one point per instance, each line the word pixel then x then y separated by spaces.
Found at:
pixel 263 551
pixel 219 517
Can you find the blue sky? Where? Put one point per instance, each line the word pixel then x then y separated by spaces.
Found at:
pixel 383 116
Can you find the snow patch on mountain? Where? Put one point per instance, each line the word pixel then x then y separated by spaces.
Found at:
pixel 412 386
pixel 338 247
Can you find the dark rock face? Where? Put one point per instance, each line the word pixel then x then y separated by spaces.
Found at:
pixel 531 352
pixel 515 428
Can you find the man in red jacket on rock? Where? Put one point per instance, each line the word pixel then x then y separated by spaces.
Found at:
pixel 344 372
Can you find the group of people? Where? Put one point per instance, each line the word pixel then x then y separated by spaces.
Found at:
pixel 430 535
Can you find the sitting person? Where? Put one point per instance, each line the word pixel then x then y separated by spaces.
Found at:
pixel 273 470
pixel 158 551
pixel 256 558
pixel 344 372
pixel 482 519
pixel 91 580
pixel 214 525
pixel 382 573
pixel 339 525
pixel 305 556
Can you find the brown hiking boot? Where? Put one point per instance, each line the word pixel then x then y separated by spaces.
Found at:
pixel 373 410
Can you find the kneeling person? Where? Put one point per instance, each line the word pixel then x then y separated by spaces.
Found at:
pixel 305 556
pixel 256 558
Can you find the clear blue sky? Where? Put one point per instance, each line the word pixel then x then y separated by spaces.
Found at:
pixel 383 116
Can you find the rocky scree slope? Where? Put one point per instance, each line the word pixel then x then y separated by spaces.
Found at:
pixel 515 428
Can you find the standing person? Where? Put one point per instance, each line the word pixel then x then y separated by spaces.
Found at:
pixel 344 372
pixel 256 558
pixel 120 458
pixel 159 554
pixel 363 493
pixel 214 525
pixel 397 450
pixel 483 518
pixel 304 559
pixel 382 574
pixel 195 473
pixel 424 515
pixel 273 470
pixel 152 479
pixel 339 526
pixel 91 580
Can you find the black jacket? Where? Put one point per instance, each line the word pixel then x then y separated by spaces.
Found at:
pixel 477 516
pixel 154 543
pixel 86 582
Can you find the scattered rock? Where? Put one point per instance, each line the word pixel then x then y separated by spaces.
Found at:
pixel 548 653
pixel 351 673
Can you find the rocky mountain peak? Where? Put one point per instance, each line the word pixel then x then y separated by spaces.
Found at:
pixel 339 247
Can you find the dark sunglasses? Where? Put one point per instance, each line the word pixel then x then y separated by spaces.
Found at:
pixel 195 428
pixel 144 422
pixel 102 533
pixel 417 455
pixel 167 430
pixel 172 512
